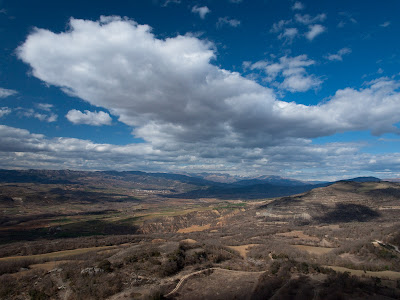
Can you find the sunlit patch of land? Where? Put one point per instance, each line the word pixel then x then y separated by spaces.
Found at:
pixel 58 254
pixel 194 228
pixel 314 250
pixel 392 275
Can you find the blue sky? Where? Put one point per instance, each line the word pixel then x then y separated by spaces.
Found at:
pixel 303 89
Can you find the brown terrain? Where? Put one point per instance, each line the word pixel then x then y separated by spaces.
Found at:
pixel 132 238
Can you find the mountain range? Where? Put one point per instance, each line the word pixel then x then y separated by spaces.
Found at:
pixel 174 185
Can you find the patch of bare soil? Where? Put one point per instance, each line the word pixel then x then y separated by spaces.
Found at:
pixel 351 257
pixel 325 243
pixel 242 249
pixel 108 252
pixel 194 228
pixel 391 207
pixel 158 241
pixel 189 241
pixel 392 275
pixel 333 227
pixel 314 250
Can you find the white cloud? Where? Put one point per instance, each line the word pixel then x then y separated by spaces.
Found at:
pixel 385 24
pixel 346 18
pixel 5 93
pixel 52 118
pixel 307 19
pixel 31 113
pixel 228 21
pixel 314 31
pixel 4 111
pixel 171 1
pixel 44 106
pixel 280 26
pixel 193 114
pixel 300 83
pixel 202 11
pixel 89 118
pixel 235 1
pixel 341 24
pixel 48 118
pixel 339 55
pixel 293 72
pixel 289 34
pixel 298 6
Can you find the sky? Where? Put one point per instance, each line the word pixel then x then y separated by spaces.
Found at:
pixel 302 89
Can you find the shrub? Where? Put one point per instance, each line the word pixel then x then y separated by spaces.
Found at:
pixel 105 265
pixel 169 268
pixel 8 285
pixel 38 295
pixel 7 267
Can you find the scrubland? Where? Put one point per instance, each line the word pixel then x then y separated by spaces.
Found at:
pixel 335 242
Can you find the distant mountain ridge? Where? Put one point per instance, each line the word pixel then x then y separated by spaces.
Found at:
pixel 69 176
pixel 40 176
pixel 364 179
pixel 170 176
pixel 247 192
pixel 240 180
pixel 178 185
pixel 271 179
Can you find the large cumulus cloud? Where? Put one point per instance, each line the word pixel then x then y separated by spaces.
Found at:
pixel 169 90
pixel 182 104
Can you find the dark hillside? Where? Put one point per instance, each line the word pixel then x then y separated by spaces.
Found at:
pixel 345 201
pixel 248 192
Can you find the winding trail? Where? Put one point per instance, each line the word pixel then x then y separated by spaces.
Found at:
pixel 184 278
